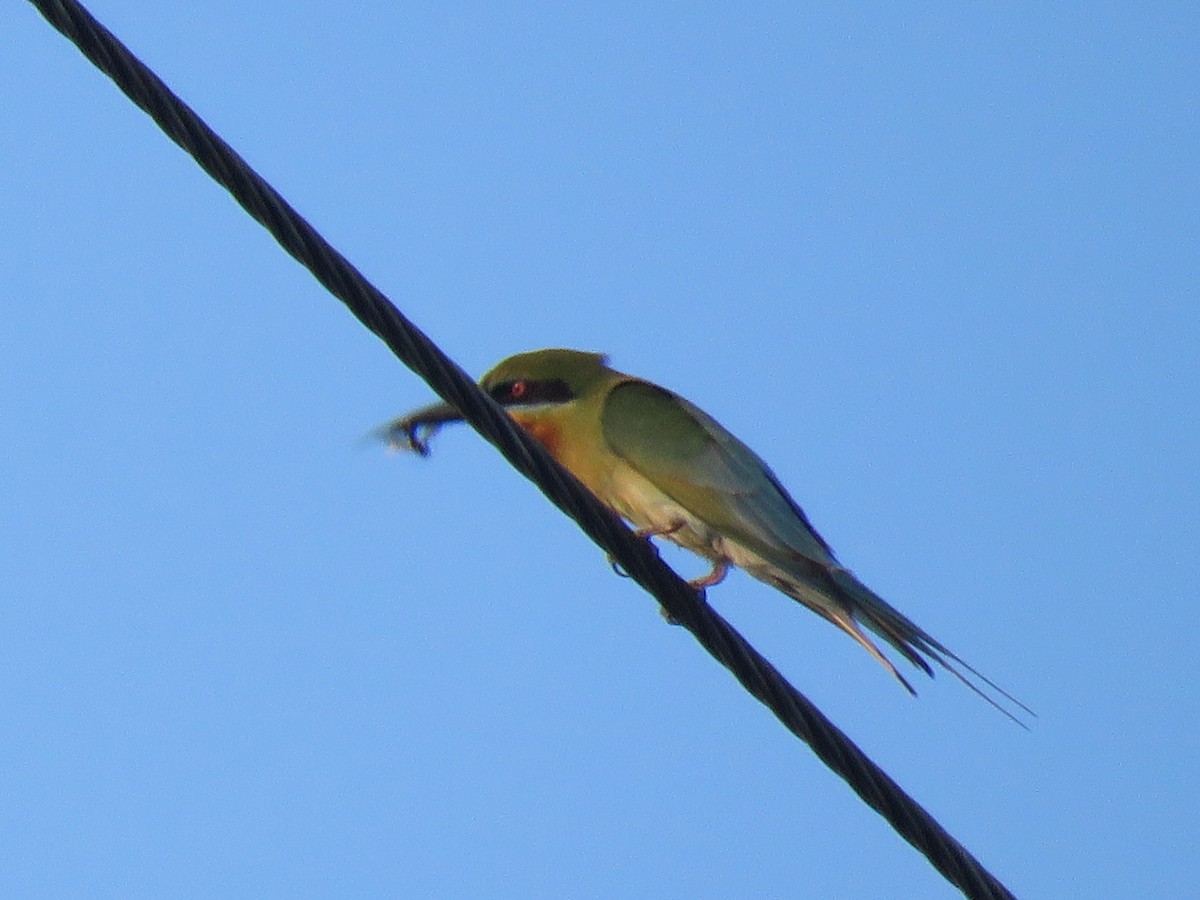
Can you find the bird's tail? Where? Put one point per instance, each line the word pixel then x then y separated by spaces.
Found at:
pixel 847 602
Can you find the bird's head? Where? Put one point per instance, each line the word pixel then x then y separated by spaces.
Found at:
pixel 528 385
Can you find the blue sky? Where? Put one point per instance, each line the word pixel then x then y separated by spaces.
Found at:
pixel 937 264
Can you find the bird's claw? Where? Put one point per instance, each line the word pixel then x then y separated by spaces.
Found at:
pixel 719 570
pixel 659 530
pixel 645 534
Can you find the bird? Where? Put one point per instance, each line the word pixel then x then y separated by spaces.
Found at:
pixel 672 471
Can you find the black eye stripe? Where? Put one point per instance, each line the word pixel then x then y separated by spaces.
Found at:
pixel 528 393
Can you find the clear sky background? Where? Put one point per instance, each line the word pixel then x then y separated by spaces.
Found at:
pixel 938 264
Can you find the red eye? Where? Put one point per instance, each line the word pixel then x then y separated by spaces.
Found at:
pixel 518 390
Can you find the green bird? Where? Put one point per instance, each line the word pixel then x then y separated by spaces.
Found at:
pixel 673 471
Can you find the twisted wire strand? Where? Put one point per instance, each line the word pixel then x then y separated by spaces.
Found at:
pixel 636 556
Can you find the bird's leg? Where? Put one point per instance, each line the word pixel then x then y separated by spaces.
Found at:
pixel 656 530
pixel 719 570
pixel 648 533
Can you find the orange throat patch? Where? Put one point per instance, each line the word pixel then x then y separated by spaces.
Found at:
pixel 545 433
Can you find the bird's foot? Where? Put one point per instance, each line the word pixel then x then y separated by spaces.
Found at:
pixel 646 534
pixel 719 570
pixel 660 530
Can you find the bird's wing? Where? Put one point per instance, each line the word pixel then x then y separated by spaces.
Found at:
pixel 695 461
pixel 692 459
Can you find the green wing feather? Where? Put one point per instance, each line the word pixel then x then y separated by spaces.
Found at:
pixel 692 459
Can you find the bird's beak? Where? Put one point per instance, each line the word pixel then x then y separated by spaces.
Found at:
pixel 413 431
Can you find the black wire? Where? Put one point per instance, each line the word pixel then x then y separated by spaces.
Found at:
pixel 415 350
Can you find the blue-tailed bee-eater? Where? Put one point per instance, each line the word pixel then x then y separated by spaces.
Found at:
pixel 673 471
